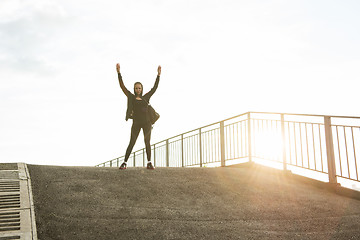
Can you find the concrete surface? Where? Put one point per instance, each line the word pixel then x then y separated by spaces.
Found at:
pixel 187 203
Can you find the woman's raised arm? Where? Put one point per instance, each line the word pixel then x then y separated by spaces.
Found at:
pixel 122 86
pixel 152 91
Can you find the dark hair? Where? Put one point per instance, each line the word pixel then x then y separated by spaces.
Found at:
pixel 141 88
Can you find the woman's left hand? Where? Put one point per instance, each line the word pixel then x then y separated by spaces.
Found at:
pixel 159 70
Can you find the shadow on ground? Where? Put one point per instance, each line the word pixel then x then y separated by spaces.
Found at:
pixel 186 203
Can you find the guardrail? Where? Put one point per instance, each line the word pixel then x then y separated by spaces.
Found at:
pixel 318 143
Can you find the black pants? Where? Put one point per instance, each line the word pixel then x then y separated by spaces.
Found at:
pixel 135 130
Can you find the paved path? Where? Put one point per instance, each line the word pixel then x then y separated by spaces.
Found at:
pixel 187 203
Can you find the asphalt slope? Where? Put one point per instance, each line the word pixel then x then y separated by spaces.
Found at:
pixel 186 203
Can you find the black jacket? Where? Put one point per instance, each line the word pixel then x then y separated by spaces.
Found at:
pixel 131 96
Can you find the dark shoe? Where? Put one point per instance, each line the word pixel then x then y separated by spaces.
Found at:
pixel 123 166
pixel 150 166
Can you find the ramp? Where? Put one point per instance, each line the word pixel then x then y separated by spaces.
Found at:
pixel 187 203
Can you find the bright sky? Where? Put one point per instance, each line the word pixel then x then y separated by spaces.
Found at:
pixel 61 104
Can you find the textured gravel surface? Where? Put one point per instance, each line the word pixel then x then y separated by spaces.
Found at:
pixel 186 203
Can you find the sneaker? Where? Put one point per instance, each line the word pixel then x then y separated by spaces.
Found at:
pixel 150 166
pixel 123 166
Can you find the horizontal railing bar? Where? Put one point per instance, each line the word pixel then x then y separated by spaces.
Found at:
pixel 176 141
pixel 291 121
pixel 349 178
pixel 196 134
pixel 237 158
pixel 209 131
pixel 308 115
pixel 260 119
pixel 348 126
pixel 315 170
pixel 235 123
pixel 304 122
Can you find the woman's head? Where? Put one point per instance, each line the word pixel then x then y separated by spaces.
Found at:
pixel 138 89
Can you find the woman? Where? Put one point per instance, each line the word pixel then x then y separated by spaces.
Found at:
pixel 137 110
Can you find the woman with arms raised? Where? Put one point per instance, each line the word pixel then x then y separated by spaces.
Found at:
pixel 137 109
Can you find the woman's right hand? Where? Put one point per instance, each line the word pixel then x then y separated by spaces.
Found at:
pixel 159 70
pixel 118 67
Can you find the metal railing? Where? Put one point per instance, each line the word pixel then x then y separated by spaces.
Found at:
pixel 323 144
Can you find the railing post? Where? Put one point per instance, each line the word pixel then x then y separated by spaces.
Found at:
pixel 111 163
pixel 117 162
pixel 167 152
pixel 154 157
pixel 249 137
pixel 330 150
pixel 200 148
pixel 283 142
pixel 134 160
pixel 182 150
pixel 144 164
pixel 222 143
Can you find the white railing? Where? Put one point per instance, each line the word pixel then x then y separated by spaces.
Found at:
pixel 322 144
